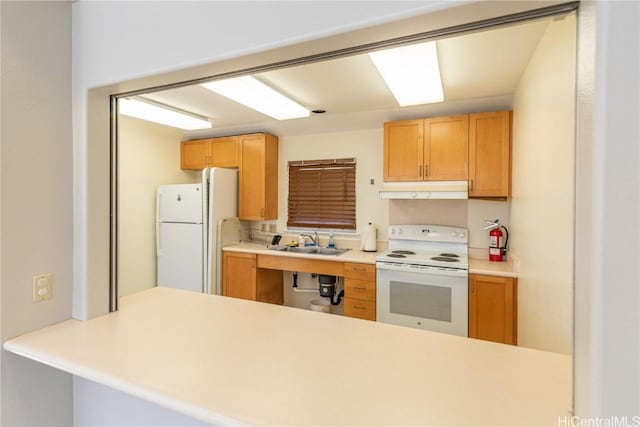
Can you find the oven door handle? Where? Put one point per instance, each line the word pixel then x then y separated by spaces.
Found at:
pixel 421 269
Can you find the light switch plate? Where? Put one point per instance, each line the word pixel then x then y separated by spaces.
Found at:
pixel 42 287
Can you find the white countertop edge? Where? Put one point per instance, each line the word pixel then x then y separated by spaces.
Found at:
pixel 497 273
pixel 116 383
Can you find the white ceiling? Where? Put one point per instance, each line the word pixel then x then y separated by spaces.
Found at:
pixel 479 71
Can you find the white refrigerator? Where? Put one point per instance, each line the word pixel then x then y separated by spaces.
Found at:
pixel 186 226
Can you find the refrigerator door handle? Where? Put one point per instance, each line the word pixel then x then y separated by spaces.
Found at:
pixel 158 216
pixel 158 242
pixel 158 204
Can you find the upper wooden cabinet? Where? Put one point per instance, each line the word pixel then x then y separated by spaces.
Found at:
pixel 493 308
pixel 195 155
pixel 258 177
pixel 403 152
pixel 212 152
pixel 446 147
pixel 490 154
pixel 434 149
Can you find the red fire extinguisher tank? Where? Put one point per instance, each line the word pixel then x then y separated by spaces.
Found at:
pixel 495 245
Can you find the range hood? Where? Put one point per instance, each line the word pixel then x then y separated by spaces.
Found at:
pixel 420 190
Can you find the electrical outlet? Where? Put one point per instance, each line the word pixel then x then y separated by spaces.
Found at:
pixel 42 287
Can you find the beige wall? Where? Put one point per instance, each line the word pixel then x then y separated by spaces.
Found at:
pixel 470 214
pixel 149 156
pixel 36 201
pixel 365 146
pixel 542 211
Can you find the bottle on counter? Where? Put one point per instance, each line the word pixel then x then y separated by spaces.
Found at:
pixel 332 243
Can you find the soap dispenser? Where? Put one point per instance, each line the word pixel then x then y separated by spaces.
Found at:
pixel 332 243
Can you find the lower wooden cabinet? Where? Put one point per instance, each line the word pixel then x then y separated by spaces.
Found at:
pixel 493 308
pixel 359 308
pixel 259 278
pixel 242 279
pixel 360 291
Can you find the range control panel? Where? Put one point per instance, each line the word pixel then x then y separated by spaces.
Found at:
pixel 428 233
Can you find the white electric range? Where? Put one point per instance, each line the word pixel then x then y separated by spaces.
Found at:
pixel 422 279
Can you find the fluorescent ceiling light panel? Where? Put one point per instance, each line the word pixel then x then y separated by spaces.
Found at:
pixel 248 91
pixel 164 115
pixel 411 73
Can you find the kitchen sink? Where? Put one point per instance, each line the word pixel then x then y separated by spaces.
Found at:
pixel 302 249
pixel 309 250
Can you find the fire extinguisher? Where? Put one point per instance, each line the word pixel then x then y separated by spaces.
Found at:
pixel 497 245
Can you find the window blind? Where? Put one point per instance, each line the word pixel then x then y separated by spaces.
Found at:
pixel 322 194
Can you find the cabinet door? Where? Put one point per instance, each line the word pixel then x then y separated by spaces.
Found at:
pixel 403 142
pixel 225 152
pixel 446 148
pixel 239 275
pixel 490 154
pixel 493 308
pixel 258 180
pixel 196 154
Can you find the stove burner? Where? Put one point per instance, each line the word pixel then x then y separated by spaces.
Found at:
pixel 448 255
pixel 444 259
pixel 403 252
pixel 395 255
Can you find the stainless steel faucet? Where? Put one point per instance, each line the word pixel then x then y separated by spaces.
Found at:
pixel 315 240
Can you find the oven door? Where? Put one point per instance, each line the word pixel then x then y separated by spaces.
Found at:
pixel 431 298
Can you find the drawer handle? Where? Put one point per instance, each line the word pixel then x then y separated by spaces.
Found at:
pixel 359 307
pixel 359 269
pixel 360 288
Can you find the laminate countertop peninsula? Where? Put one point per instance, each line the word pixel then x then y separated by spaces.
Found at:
pixel 231 361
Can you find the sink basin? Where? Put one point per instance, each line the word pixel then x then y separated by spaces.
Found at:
pixel 302 249
pixel 330 251
pixel 278 248
pixel 308 250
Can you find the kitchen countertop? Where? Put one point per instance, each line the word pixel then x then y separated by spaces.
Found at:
pixel 259 363
pixel 484 266
pixel 476 265
pixel 352 255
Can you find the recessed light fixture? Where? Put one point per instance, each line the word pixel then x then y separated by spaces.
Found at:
pixel 411 73
pixel 145 109
pixel 251 92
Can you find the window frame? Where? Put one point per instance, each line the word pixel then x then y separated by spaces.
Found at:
pixel 301 185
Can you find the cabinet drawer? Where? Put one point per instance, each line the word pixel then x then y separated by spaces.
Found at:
pixel 360 271
pixel 360 289
pixel 360 308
